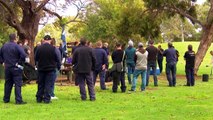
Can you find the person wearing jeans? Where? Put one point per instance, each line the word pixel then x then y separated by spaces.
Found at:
pixel 152 57
pixel 130 53
pixel 171 60
pixel 140 69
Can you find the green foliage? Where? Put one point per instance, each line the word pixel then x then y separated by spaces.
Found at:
pixel 5 30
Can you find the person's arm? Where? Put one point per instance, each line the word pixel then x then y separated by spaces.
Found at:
pixel 1 58
pixel 93 60
pixel 105 61
pixel 58 58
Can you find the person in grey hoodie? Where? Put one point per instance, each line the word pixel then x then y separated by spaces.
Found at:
pixel 140 68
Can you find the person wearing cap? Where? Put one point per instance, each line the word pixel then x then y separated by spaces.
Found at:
pixel 83 64
pixel 140 68
pixel 13 56
pixel 130 53
pixel 152 57
pixel 47 59
pixel 171 61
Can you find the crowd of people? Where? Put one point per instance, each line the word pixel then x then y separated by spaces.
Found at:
pixel 90 61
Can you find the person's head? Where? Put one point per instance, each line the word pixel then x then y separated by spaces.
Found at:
pixel 99 44
pixel 190 47
pixel 151 42
pixel 47 39
pixel 170 45
pixel 140 45
pixel 13 37
pixel 130 43
pixel 118 46
pixel 106 44
pixel 159 46
pixel 83 41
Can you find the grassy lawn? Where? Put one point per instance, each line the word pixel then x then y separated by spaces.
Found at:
pixel 178 103
pixel 161 103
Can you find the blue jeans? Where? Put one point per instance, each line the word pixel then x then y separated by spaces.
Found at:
pixel 151 64
pixel 130 70
pixel 143 79
pixel 45 80
pixel 101 74
pixel 171 73
pixel 190 76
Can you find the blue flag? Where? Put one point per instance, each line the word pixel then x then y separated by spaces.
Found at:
pixel 63 38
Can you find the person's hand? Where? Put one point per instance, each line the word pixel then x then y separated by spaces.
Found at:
pixel 103 67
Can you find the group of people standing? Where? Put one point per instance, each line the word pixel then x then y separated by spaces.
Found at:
pixel 89 62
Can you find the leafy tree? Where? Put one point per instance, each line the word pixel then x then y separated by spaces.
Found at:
pixel 187 9
pixel 26 15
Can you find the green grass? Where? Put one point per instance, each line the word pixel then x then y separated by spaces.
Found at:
pixel 161 103
pixel 178 103
pixel 182 48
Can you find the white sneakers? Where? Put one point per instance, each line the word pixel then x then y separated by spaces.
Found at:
pixel 54 98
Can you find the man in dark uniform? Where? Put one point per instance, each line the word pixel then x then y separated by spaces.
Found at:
pixel 84 62
pixel 13 56
pixel 101 65
pixel 189 56
pixel 47 59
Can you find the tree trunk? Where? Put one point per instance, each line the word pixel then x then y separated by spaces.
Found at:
pixel 29 25
pixel 205 43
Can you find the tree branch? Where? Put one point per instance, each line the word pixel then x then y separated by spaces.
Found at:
pixel 41 6
pixel 3 3
pixel 52 13
pixel 181 12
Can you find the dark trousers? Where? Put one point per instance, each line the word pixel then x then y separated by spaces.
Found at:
pixel 45 80
pixel 83 78
pixel 171 73
pixel 190 76
pixel 160 64
pixel 13 76
pixel 122 79
pixel 52 93
pixel 101 74
pixel 117 77
pixel 151 64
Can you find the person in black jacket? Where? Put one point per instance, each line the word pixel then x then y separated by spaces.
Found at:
pixel 47 59
pixel 84 62
pixel 189 56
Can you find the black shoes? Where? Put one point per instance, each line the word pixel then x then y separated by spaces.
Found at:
pixel 21 103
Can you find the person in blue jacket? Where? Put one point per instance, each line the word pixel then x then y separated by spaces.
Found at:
pixel 13 56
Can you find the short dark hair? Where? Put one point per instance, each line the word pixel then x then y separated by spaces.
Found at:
pixel 83 41
pixel 118 45
pixel 12 37
pixel 170 45
pixel 190 47
pixel 47 37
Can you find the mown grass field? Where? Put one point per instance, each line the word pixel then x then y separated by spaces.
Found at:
pixel 162 102
pixel 156 103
